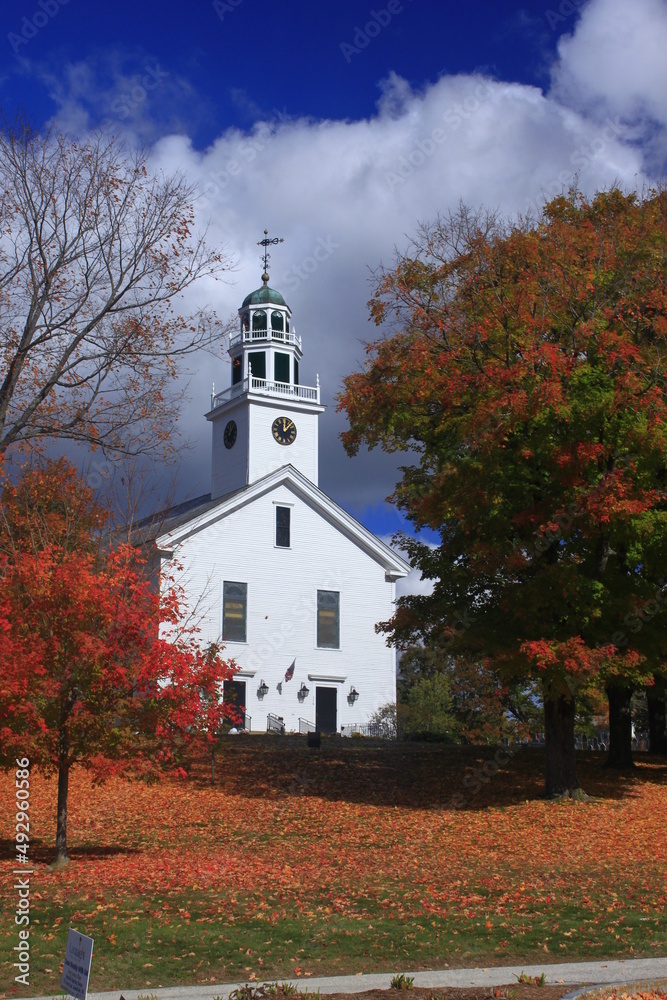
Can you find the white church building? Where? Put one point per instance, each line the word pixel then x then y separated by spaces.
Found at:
pixel 282 577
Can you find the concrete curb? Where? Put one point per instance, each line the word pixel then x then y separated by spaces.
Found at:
pixel 568 973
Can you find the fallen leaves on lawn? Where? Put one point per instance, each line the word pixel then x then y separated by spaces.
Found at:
pixel 357 842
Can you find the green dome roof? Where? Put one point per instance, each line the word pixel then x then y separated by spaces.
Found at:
pixel 264 295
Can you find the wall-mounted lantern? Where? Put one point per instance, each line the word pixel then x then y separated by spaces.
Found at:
pixel 263 689
pixel 303 692
pixel 353 695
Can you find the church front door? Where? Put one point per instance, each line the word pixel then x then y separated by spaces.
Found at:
pixel 325 710
pixel 235 695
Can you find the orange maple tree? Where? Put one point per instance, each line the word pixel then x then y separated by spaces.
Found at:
pixel 96 667
pixel 526 373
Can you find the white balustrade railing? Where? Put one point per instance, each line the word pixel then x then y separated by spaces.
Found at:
pixel 252 336
pixel 266 387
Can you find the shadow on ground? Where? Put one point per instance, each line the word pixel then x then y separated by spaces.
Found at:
pixel 43 853
pixel 408 774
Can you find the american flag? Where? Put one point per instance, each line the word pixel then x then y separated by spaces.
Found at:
pixel 289 674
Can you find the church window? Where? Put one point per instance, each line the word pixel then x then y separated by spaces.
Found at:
pixel 296 372
pixel 328 619
pixel 236 370
pixel 259 322
pixel 281 367
pixel 277 323
pixel 283 527
pixel 245 322
pixel 257 361
pixel 234 611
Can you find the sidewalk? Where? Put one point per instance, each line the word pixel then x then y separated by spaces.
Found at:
pixel 568 973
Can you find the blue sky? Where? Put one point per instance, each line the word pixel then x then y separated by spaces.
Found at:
pixel 234 62
pixel 344 125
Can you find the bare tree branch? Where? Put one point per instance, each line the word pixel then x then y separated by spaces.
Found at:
pixel 95 251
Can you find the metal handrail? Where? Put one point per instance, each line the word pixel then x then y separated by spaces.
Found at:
pixel 275 724
pixel 306 727
pixel 381 730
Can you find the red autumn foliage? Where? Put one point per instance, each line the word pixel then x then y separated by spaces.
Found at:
pixel 96 667
pixel 524 372
pixel 357 834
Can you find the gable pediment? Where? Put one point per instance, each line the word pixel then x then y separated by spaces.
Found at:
pixel 394 565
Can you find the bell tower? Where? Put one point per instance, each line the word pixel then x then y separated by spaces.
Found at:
pixel 266 418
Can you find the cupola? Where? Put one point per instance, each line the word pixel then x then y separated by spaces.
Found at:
pixel 265 418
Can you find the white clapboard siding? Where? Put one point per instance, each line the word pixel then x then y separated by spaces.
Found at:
pixel 265 452
pixel 256 452
pixel 234 539
pixel 229 467
pixel 282 602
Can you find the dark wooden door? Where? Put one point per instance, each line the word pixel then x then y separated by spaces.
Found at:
pixel 325 710
pixel 235 695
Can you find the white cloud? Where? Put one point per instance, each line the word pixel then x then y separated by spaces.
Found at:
pixel 615 59
pixel 360 188
pixel 413 582
pixel 127 90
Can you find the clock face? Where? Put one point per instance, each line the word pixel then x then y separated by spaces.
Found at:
pixel 284 430
pixel 229 437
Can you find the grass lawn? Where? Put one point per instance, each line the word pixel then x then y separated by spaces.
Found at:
pixel 356 857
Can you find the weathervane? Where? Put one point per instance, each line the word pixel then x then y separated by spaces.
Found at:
pixel 266 243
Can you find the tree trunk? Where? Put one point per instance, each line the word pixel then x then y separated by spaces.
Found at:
pixel 561 779
pixel 63 788
pixel 213 763
pixel 620 726
pixel 61 822
pixel 657 717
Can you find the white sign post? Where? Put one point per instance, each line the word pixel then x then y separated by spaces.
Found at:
pixel 76 971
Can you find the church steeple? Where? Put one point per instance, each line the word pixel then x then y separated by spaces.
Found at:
pixel 266 418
